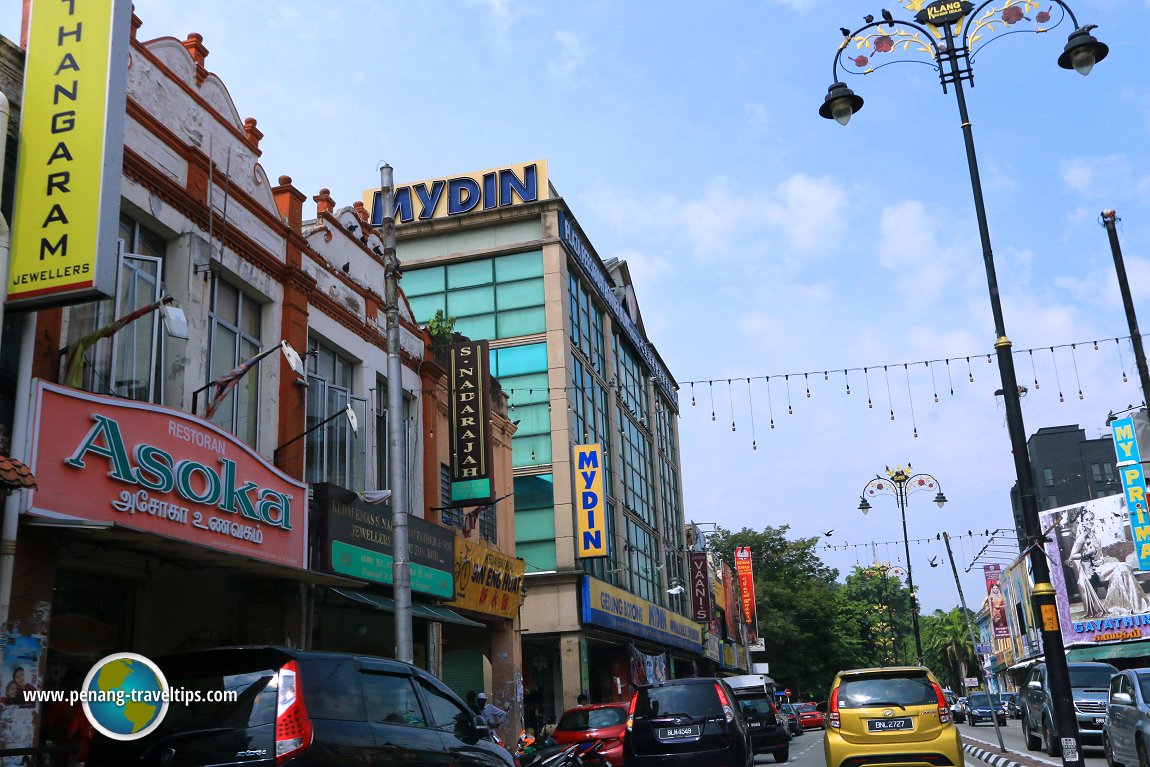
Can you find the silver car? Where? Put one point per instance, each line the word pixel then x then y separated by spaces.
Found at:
pixel 1126 734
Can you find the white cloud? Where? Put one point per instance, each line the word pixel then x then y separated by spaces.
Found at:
pixel 569 55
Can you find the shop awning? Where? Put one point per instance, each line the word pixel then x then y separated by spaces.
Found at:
pixel 1104 651
pixel 387 604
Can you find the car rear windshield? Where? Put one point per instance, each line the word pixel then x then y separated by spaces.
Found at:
pixel 805 707
pixel 254 702
pixel 981 700
pixel 592 719
pixel 755 703
pixel 886 690
pixel 1090 676
pixel 694 700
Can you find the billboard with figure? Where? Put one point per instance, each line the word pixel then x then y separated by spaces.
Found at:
pixel 1102 594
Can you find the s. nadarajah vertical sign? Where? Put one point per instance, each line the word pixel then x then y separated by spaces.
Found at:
pixel 468 371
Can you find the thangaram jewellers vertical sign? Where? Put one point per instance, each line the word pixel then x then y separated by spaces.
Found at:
pixel 161 471
pixel 71 153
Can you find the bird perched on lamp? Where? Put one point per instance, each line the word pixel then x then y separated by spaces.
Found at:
pixel 868 18
pixel 887 17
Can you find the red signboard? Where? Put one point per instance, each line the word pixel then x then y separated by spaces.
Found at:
pixel 747 587
pixel 700 586
pixel 161 471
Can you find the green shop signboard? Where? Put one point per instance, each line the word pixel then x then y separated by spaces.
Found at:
pixel 356 541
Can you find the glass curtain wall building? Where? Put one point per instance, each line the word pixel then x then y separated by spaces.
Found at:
pixel 568 347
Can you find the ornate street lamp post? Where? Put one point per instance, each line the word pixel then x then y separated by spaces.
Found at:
pixel 949 33
pixel 900 483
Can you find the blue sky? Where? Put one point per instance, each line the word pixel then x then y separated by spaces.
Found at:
pixel 763 240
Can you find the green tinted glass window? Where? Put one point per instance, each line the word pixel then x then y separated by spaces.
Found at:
pixel 516 295
pixel 463 303
pixel 539 556
pixel 420 282
pixel 479 327
pixel 424 308
pixel 534 492
pixel 519 266
pixel 517 360
pixel 469 273
pixel 522 322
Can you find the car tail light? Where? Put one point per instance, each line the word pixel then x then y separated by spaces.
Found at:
pixel 833 710
pixel 631 710
pixel 943 709
pixel 728 712
pixel 293 725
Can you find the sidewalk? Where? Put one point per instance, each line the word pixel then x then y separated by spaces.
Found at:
pixel 991 754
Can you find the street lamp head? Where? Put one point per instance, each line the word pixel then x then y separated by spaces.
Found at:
pixel 840 103
pixel 864 506
pixel 1082 51
pixel 940 499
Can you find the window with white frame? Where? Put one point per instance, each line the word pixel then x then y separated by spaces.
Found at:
pixel 333 453
pixel 235 332
pixel 129 363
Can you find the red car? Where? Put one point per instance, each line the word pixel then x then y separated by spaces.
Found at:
pixel 809 716
pixel 598 721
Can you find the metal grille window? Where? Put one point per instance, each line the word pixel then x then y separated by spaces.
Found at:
pixel 450 517
pixel 333 453
pixel 235 333
pixel 630 380
pixel 586 323
pixel 635 452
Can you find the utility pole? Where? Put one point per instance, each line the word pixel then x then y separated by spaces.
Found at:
pixel 973 640
pixel 1110 221
pixel 396 444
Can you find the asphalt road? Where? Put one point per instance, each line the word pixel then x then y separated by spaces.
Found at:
pixel 807 750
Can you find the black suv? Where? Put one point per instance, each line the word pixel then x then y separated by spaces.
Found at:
pixel 692 722
pixel 305 709
pixel 1090 688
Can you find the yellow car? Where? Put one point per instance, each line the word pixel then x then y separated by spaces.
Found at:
pixel 890 716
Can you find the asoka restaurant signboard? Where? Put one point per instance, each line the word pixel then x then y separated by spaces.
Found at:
pixel 161 471
pixel 1094 571
pixel 64 235
pixel 356 541
pixel 614 608
pixel 744 569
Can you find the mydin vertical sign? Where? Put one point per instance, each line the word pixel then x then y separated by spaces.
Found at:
pixel 590 506
pixel 1129 465
pixel 71 153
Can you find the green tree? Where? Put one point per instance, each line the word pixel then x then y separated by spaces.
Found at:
pixel 886 628
pixel 808 633
pixel 946 644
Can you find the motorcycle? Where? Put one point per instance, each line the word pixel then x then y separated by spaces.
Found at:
pixel 585 754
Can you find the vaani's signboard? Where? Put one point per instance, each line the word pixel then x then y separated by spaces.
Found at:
pixel 606 605
pixel 590 506
pixel 470 421
pixel 698 576
pixel 67 202
pixel 161 471
pixel 486 579
pixel 743 567
pixel 460 195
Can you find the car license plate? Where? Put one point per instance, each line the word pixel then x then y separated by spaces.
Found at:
pixel 880 725
pixel 754 725
pixel 1100 720
pixel 669 733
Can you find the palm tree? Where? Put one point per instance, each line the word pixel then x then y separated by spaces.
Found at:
pixel 946 643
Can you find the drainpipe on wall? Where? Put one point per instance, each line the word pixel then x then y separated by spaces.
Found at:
pixel 20 427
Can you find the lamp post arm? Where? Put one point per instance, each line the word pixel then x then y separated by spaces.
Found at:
pixel 297 438
pixel 924 40
pixel 1110 221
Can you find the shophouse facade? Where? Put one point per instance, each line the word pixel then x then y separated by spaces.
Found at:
pixel 197 485
pixel 501 254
